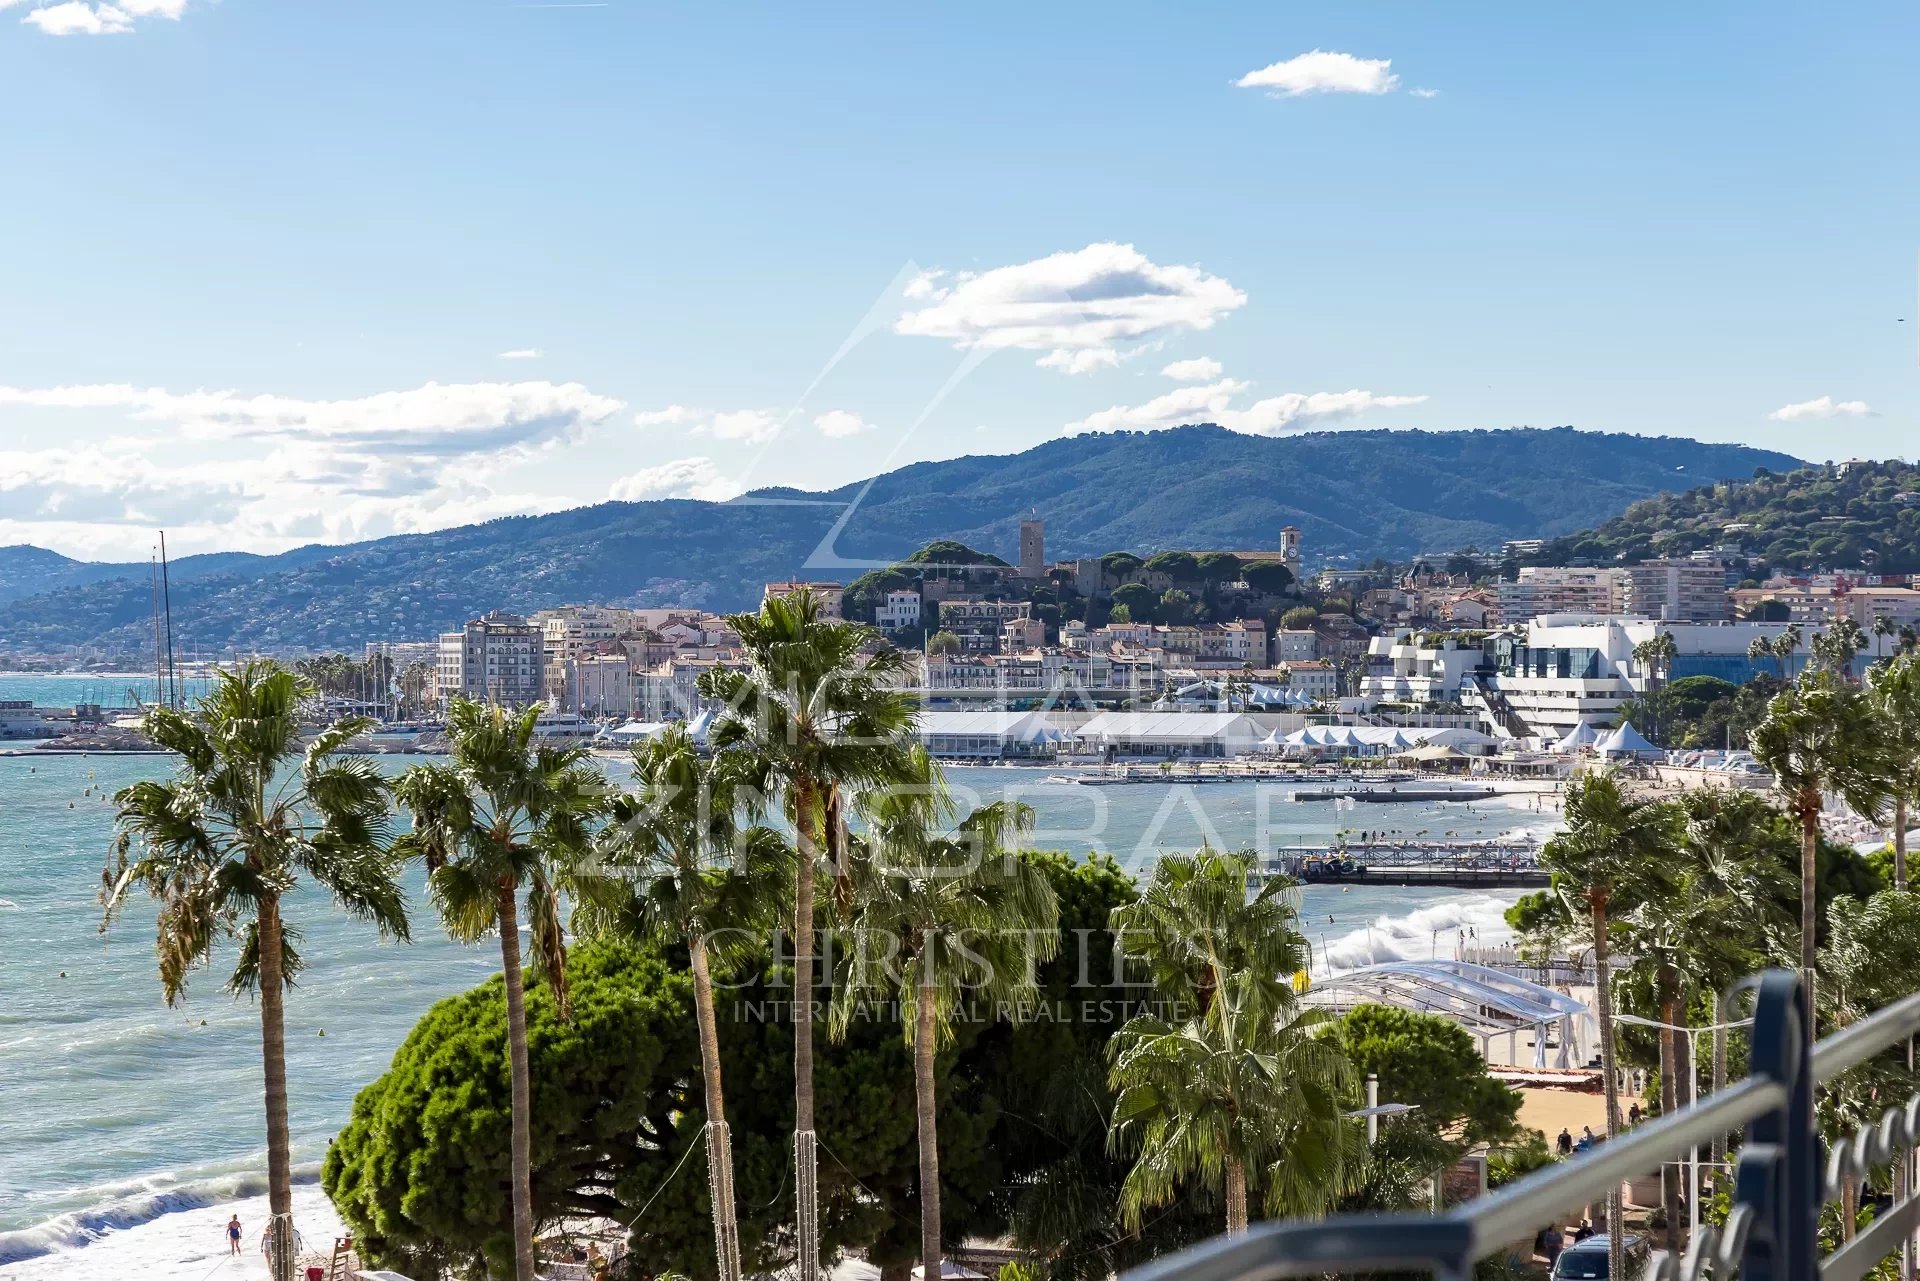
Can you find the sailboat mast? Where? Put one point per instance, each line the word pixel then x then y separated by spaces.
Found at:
pixel 159 652
pixel 166 600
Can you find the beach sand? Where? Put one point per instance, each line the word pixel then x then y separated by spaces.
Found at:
pixel 190 1245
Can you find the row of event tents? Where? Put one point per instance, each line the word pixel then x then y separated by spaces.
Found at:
pixel 1250 695
pixel 1622 740
pixel 1384 740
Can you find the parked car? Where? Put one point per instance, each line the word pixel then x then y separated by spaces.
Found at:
pixel 1587 1260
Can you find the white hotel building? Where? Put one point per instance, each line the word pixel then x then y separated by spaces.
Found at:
pixel 1547 675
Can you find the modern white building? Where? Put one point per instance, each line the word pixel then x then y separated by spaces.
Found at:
pixel 1414 667
pixel 498 658
pixel 1560 670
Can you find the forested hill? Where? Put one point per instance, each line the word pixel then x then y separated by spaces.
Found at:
pixel 1858 515
pixel 1354 494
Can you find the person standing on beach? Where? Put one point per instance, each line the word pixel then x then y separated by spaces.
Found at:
pixel 233 1235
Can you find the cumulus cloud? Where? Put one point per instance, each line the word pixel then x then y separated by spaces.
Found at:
pixel 750 426
pixel 1824 407
pixel 1074 306
pixel 681 478
pixel 1200 369
pixel 1424 93
pixel 112 485
pixel 80 18
pixel 522 353
pixel 1214 403
pixel 288 469
pixel 1322 71
pixel 436 419
pixel 1084 361
pixel 837 424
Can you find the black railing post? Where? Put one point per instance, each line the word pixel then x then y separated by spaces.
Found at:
pixel 1778 1180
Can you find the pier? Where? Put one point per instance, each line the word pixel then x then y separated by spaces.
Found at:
pixel 1441 864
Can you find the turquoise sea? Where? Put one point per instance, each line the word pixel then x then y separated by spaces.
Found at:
pixel 125 1124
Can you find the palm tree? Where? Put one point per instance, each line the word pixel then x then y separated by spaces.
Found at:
pixel 1883 627
pixel 1839 645
pixel 1820 736
pixel 819 703
pixel 1261 1093
pixel 506 813
pixel 1893 691
pixel 684 867
pixel 1196 924
pixel 1719 870
pixel 223 842
pixel 1610 840
pixel 941 919
pixel 1243 1091
pixel 1726 872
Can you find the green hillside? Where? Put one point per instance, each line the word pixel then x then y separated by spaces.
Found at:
pixel 1863 515
pixel 1355 495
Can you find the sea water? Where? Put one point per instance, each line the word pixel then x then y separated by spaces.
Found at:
pixel 129 1131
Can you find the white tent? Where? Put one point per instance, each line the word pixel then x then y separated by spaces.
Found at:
pixel 1625 740
pixel 633 732
pixel 1581 735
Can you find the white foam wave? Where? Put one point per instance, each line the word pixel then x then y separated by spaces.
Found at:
pixel 1429 932
pixel 132 1203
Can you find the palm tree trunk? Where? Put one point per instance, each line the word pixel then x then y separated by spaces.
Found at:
pixel 1900 841
pixel 1719 1081
pixel 806 1188
pixel 273 1055
pixel 1236 1197
pixel 726 1223
pixel 1670 1014
pixel 1603 1002
pixel 1809 807
pixel 509 909
pixel 924 1033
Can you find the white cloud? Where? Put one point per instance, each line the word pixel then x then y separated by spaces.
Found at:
pixel 1213 403
pixel 1322 71
pixel 1084 361
pixel 1824 407
pixel 1424 93
pixel 433 420
pixel 77 18
pixel 1200 369
pixel 681 478
pixel 80 18
pixel 752 426
pixel 522 353
pixel 1074 306
pixel 286 470
pixel 837 424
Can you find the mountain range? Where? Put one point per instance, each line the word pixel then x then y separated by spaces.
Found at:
pixel 1355 495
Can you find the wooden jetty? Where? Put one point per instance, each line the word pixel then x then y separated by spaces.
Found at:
pixel 1441 864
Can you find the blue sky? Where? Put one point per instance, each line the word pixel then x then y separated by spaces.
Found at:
pixel 264 258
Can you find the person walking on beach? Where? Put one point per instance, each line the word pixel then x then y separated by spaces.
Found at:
pixel 1564 1142
pixel 233 1235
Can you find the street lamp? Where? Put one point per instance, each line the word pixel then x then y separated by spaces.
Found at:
pixel 1693 1096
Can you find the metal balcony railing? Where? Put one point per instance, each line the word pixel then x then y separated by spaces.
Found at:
pixel 1783 1178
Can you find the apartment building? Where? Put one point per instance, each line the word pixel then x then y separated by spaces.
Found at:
pixel 498 658
pixel 1558 589
pixel 1679 591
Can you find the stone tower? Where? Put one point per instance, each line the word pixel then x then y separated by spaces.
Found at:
pixel 1290 549
pixel 1033 547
